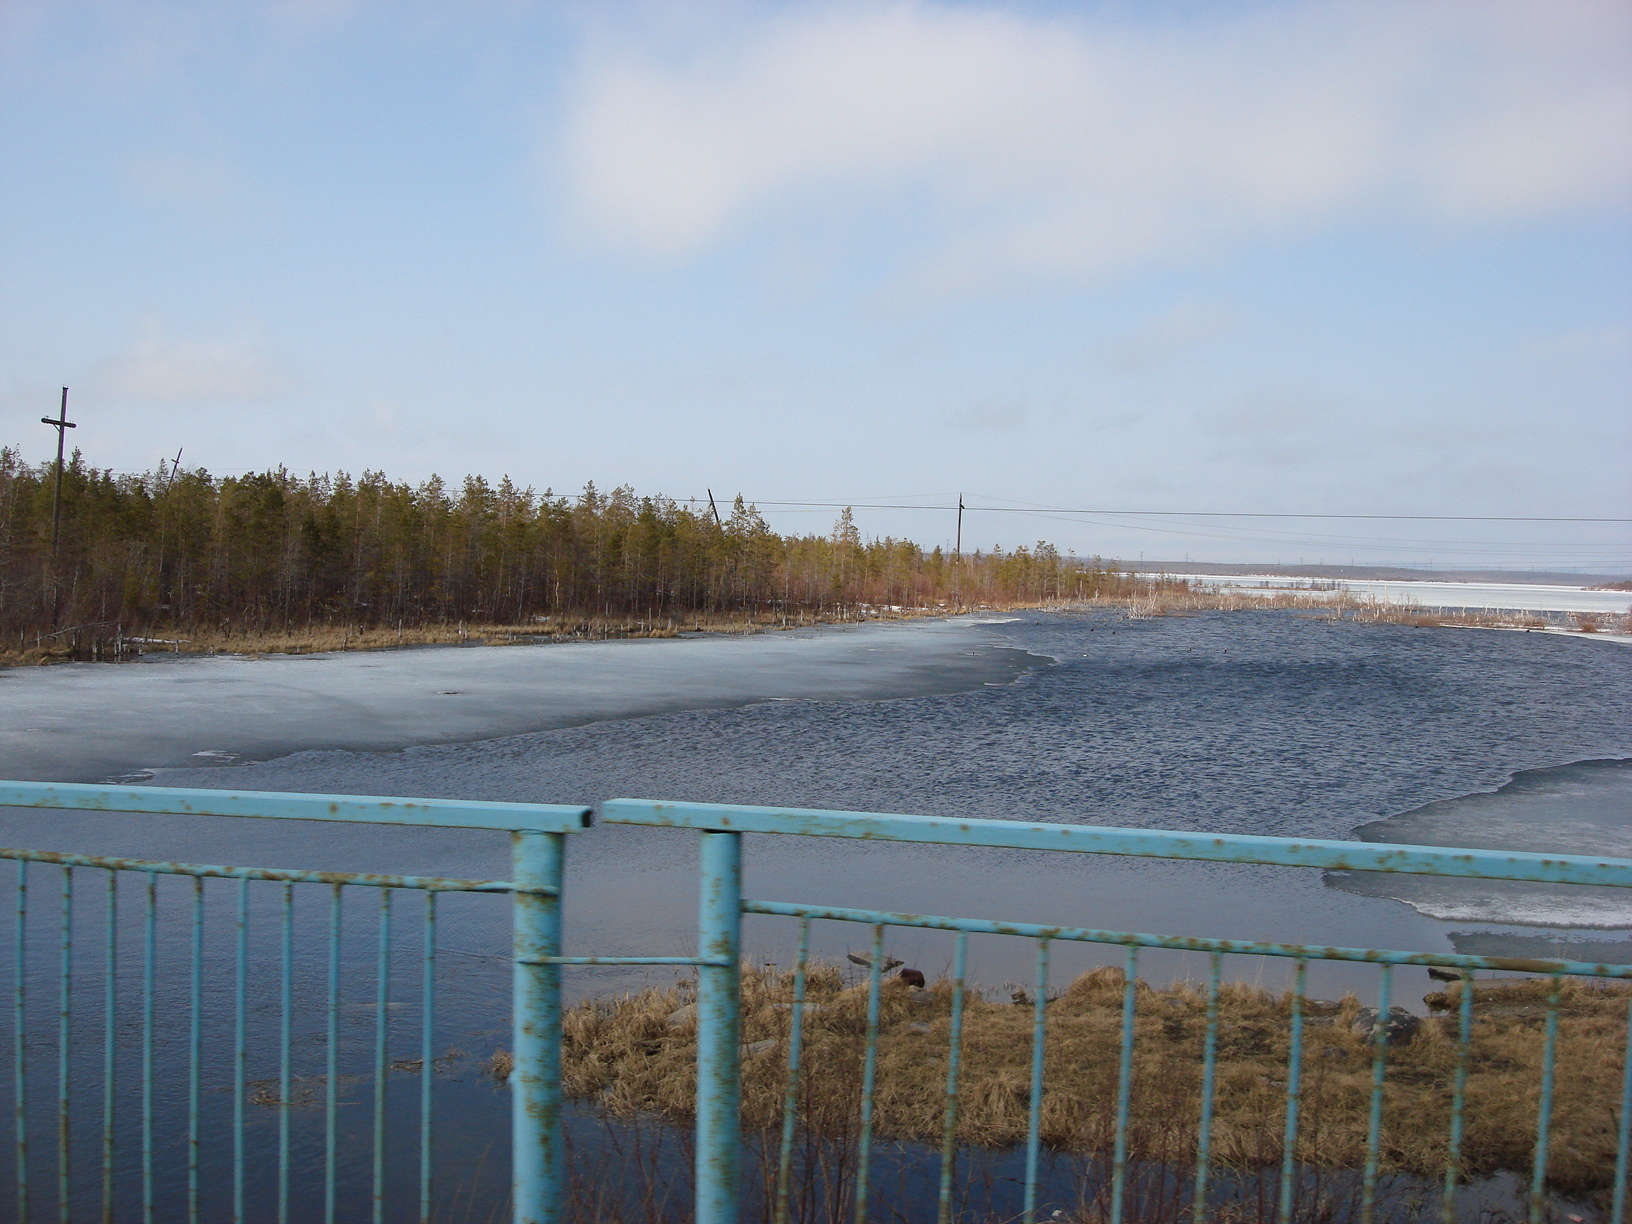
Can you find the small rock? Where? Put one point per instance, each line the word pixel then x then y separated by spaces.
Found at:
pixel 682 1016
pixel 914 1026
pixel 1321 1007
pixel 1398 1027
pixel 755 1048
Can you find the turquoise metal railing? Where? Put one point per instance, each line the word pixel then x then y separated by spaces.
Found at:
pixel 539 836
pixel 722 827
pixel 536 832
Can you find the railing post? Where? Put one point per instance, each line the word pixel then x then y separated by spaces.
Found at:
pixel 719 998
pixel 538 1168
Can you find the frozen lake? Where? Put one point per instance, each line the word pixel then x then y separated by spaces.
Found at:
pixel 1481 596
pixel 1268 722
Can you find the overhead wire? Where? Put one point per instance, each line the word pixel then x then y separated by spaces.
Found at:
pixel 1250 532
pixel 1249 514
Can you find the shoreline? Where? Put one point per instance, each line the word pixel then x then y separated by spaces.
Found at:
pixel 1618 639
pixel 541 631
pixel 1175 600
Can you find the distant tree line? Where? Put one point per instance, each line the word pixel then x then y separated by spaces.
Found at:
pixel 272 551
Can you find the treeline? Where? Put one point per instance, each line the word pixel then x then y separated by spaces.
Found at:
pixel 178 550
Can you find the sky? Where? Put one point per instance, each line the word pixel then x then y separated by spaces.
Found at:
pixel 1368 257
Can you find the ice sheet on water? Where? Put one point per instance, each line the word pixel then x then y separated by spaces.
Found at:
pixel 1581 808
pixel 92 721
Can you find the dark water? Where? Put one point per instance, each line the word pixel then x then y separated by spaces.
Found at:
pixel 1263 723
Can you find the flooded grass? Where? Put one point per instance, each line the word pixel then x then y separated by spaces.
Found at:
pixel 633 1056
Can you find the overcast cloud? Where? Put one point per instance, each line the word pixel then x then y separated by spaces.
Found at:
pixel 1048 145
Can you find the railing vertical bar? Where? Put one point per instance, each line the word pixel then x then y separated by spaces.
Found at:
pixel 1623 1139
pixel 1544 1107
pixel 1209 1079
pixel 427 1059
pixel 1374 1119
pixel 1034 1102
pixel 719 1010
pixel 65 1024
pixel 195 1049
pixel 382 1035
pixel 150 953
pixel 19 1052
pixel 790 1092
pixel 1459 1096
pixel 331 1070
pixel 869 1076
pixel 1294 1088
pixel 110 1007
pixel 1124 1085
pixel 240 999
pixel 285 1021
pixel 954 1060
pixel 538 1153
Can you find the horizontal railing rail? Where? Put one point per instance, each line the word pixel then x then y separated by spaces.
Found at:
pixel 283 875
pixel 276 805
pixel 1189 943
pixel 1324 853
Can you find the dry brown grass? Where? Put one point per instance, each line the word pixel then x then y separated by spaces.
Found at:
pixel 321 638
pixel 634 1058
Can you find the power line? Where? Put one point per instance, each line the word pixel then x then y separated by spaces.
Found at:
pixel 1252 514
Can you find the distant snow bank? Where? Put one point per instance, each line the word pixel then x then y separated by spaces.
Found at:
pixel 1481 596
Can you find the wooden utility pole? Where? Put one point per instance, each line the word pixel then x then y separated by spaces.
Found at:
pixel 958 548
pixel 716 510
pixel 62 425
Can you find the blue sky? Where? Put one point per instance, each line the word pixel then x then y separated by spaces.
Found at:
pixel 1346 258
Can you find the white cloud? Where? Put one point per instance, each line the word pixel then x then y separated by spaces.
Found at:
pixel 1157 342
pixel 160 368
pixel 1285 427
pixel 996 413
pixel 1035 144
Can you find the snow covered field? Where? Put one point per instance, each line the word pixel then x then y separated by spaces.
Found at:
pixel 1492 596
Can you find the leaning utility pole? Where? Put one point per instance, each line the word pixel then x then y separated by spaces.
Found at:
pixel 62 425
pixel 716 510
pixel 958 548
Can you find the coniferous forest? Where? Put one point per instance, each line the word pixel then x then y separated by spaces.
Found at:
pixel 178 552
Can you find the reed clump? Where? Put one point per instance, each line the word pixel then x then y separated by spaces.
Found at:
pixel 635 1056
